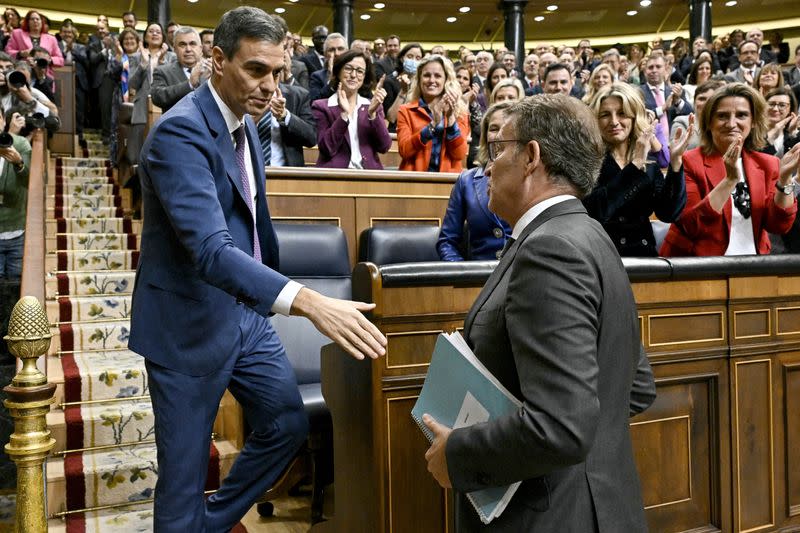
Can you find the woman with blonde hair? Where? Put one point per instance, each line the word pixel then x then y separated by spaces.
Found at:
pixel 433 127
pixel 507 90
pixel 602 76
pixel 631 186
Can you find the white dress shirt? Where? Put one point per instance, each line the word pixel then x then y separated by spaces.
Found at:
pixel 283 303
pixel 742 239
pixel 535 211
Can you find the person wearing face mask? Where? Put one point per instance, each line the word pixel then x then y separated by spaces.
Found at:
pixel 433 127
pixel 398 82
pixel 469 204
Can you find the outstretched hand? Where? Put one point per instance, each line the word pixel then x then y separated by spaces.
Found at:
pixel 790 163
pixel 377 98
pixel 342 321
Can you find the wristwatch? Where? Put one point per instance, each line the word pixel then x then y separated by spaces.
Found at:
pixel 785 189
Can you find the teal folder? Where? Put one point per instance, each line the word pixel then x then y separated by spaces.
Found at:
pixel 458 392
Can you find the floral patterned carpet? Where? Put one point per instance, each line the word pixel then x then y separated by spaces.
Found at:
pixel 108 436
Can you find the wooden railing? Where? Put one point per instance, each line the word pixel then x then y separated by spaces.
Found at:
pixel 33 260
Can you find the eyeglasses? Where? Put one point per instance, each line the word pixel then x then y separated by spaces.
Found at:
pixel 778 105
pixel 359 72
pixel 741 198
pixel 496 147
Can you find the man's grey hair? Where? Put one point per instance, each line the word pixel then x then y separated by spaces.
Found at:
pixel 246 23
pixel 182 30
pixel 332 37
pixel 570 145
pixel 611 52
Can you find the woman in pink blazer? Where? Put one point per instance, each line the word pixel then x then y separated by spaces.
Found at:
pixel 735 195
pixel 33 32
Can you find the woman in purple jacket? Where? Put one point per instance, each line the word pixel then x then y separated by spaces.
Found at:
pixel 351 130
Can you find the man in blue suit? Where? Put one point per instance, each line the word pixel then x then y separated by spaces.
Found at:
pixel 207 281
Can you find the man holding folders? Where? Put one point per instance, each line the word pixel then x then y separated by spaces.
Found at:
pixel 556 323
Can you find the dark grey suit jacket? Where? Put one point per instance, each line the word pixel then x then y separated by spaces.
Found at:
pixel 169 85
pixel 556 323
pixel 302 128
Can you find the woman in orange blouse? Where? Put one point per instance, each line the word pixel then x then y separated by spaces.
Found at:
pixel 433 128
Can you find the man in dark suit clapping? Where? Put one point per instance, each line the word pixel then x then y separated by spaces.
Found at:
pixel 172 81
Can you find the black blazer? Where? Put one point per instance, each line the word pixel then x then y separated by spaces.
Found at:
pixel 81 63
pixel 556 324
pixel 318 86
pixel 302 128
pixel 312 61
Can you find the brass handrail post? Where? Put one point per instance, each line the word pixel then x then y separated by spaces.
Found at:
pixel 29 399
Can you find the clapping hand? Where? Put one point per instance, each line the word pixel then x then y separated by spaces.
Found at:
pixel 731 157
pixel 377 98
pixel 277 104
pixel 748 78
pixel 789 123
pixel 201 71
pixel 344 103
pixel 790 162
pixel 674 96
pixel 679 144
pixel 449 102
pixel 643 145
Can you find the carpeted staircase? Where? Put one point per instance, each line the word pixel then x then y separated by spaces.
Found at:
pixel 105 455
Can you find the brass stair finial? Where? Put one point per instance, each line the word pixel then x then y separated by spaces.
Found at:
pixel 29 399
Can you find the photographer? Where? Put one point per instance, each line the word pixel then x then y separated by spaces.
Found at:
pixel 15 159
pixel 18 94
pixel 40 69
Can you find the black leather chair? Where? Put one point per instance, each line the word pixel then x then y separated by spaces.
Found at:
pixel 316 256
pixel 386 245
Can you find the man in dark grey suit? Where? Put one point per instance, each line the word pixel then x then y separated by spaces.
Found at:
pixel 173 81
pixel 75 54
pixel 748 69
pixel 293 126
pixel 556 323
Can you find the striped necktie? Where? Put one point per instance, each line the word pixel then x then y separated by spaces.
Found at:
pixel 239 139
pixel 265 135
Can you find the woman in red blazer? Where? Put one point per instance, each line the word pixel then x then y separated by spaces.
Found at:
pixel 34 33
pixel 735 195
pixel 433 128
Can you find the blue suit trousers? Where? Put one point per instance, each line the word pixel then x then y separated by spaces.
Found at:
pixel 262 380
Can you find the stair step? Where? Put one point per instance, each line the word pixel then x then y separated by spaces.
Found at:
pixel 90 201
pixel 90 376
pixel 91 260
pixel 103 477
pixel 99 225
pixel 88 308
pixel 84 212
pixel 83 187
pixel 92 241
pixel 103 424
pixel 102 282
pixel 91 336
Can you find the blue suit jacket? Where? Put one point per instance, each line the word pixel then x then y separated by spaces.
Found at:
pixel 196 271
pixel 469 201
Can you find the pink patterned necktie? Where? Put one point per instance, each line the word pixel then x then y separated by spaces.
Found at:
pixel 238 136
pixel 657 94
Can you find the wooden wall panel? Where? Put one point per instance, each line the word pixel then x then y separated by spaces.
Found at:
pixel 382 211
pixel 410 349
pixel 791 416
pixel 689 326
pixel 753 459
pixel 415 501
pixel 317 209
pixel 751 324
pixel 788 319
pixel 679 446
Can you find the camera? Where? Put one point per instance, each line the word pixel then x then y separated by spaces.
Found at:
pixel 42 63
pixel 6 140
pixel 16 79
pixel 35 121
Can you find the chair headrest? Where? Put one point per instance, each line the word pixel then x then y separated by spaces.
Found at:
pixel 308 250
pixel 384 245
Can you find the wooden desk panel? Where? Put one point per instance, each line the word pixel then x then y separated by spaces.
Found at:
pixel 717 451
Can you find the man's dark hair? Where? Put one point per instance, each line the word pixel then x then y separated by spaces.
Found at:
pixel 246 22
pixel 345 58
pixel 172 23
pixel 206 32
pixel 554 67
pixel 5 57
pixel 393 36
pixel 748 41
pixel 129 13
pixel 39 49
